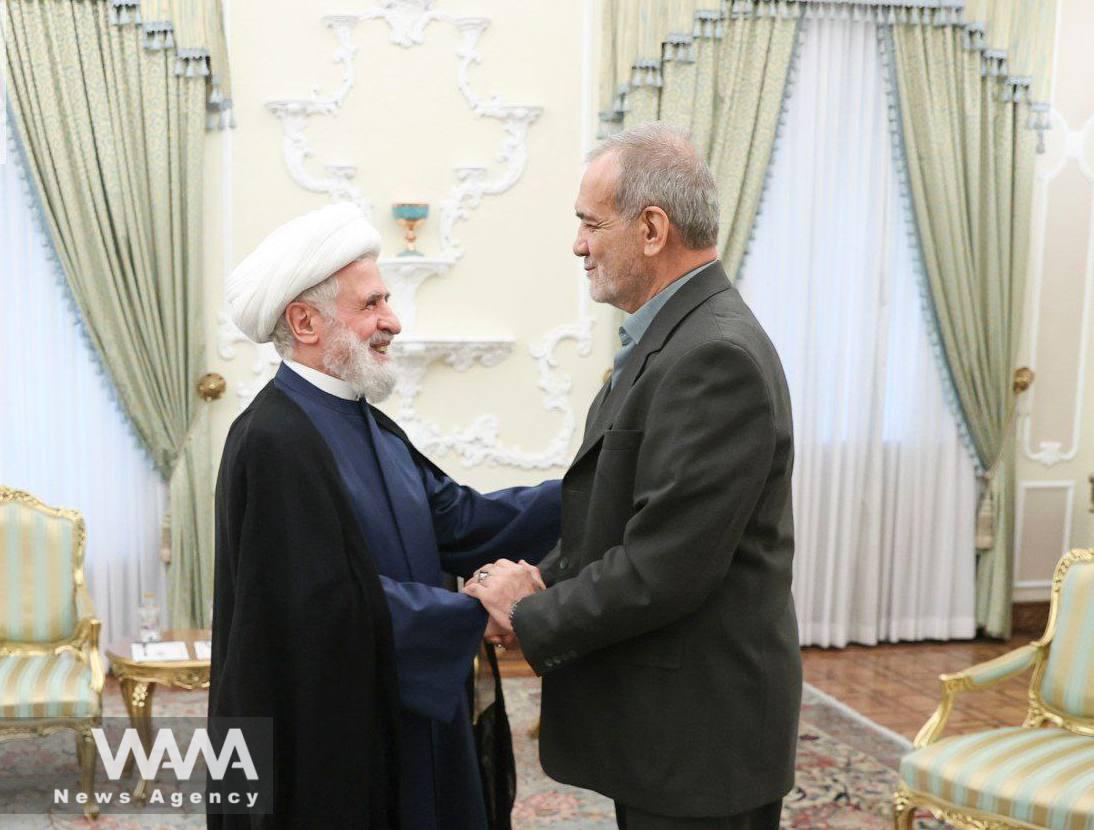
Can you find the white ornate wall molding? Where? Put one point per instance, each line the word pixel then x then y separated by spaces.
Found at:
pixel 408 21
pixel 1066 487
pixel 479 442
pixel 1070 145
pixel 403 277
pixel 413 354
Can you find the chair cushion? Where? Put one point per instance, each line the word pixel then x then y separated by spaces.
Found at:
pixel 37 588
pixel 1068 684
pixel 52 686
pixel 1043 777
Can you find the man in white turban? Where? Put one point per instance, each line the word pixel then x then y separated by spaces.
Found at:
pixel 333 537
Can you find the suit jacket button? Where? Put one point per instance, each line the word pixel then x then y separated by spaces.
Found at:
pixel 564 563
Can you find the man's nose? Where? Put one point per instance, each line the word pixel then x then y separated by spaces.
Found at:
pixel 581 247
pixel 391 324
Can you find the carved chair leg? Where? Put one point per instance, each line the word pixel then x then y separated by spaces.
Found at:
pixel 85 754
pixel 903 810
pixel 138 702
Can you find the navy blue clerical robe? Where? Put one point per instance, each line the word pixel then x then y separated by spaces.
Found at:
pixel 419 524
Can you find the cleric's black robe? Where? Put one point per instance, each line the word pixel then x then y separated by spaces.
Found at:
pixel 301 631
pixel 420 524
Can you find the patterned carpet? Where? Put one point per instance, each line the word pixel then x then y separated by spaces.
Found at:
pixel 846 773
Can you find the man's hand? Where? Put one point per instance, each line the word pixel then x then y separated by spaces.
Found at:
pixel 498 636
pixel 497 587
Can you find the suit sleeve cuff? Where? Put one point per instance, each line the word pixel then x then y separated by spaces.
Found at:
pixel 543 655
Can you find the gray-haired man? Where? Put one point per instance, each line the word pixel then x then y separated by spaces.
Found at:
pixel 667 639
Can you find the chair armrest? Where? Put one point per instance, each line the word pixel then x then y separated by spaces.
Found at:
pixel 994 671
pixel 84 608
pixel 975 679
pixel 88 627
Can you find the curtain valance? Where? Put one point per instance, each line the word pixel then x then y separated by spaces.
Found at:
pixel 1013 37
pixel 197 29
pixel 194 31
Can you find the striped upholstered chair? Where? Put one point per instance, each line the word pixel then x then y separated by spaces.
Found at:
pixel 51 674
pixel 1040 774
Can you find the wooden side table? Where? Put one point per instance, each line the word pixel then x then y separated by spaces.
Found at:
pixel 138 684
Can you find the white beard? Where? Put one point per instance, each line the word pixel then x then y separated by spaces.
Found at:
pixel 353 361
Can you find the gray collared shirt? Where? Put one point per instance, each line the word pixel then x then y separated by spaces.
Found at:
pixel 636 324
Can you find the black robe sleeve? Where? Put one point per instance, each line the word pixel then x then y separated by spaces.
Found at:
pixel 301 630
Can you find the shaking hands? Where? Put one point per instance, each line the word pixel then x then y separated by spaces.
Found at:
pixel 499 587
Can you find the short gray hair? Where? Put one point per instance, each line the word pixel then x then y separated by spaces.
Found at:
pixel 660 167
pixel 323 296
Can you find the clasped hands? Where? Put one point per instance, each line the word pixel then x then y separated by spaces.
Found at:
pixel 498 587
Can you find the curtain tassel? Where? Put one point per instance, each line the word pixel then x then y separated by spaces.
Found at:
pixel 985 519
pixel 165 539
pixel 678 48
pixel 987 513
pixel 1039 120
pixel 124 12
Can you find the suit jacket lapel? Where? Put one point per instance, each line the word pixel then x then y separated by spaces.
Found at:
pixel 595 409
pixel 708 282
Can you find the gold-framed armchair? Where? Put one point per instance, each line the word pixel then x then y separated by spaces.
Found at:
pixel 1039 774
pixel 51 673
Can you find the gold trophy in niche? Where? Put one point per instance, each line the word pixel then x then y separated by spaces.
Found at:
pixel 410 215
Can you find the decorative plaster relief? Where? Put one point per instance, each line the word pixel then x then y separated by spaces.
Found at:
pixel 403 277
pixel 408 20
pixel 1067 488
pixel 1070 145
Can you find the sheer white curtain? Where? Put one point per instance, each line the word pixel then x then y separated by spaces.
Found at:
pixel 62 436
pixel 884 489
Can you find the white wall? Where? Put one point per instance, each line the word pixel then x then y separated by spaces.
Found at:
pixel 1056 432
pixel 405 125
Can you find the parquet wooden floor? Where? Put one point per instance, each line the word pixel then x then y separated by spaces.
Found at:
pixel 897 685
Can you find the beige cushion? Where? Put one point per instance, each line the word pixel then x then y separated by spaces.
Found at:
pixel 1068 684
pixel 37 586
pixel 1043 777
pixel 51 686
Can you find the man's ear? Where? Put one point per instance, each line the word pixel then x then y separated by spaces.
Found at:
pixel 301 320
pixel 655 230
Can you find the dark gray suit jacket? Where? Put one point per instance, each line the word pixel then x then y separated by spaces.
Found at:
pixel 667 641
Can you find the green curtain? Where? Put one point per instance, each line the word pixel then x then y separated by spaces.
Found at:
pixel 970 158
pixel 722 79
pixel 112 120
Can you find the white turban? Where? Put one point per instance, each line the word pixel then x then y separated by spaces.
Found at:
pixel 297 256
